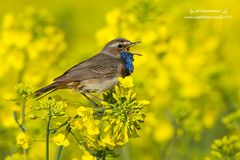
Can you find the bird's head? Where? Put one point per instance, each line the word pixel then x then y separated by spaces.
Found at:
pixel 118 45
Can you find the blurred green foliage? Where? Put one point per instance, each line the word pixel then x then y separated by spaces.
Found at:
pixel 189 69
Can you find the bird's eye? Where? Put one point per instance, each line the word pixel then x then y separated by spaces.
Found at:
pixel 120 46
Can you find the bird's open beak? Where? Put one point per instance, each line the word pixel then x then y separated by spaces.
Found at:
pixel 134 53
pixel 132 44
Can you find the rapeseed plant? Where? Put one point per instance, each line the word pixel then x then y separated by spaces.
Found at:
pixel 99 131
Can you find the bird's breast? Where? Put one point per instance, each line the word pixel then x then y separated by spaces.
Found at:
pixel 98 85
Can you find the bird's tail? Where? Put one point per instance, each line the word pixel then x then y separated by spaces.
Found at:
pixel 48 89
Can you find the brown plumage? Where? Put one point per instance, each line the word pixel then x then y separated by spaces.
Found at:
pixel 95 74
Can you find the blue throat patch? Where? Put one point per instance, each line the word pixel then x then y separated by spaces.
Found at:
pixel 128 60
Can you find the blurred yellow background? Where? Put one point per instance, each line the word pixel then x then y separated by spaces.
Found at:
pixel 189 69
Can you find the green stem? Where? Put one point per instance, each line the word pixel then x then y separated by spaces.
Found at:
pixel 47 137
pixel 17 121
pixel 25 151
pixel 23 112
pixel 58 152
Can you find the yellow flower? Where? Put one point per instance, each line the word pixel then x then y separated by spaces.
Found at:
pixel 108 141
pixel 144 102
pixel 84 111
pixel 60 140
pixel 75 124
pixel 23 140
pixel 92 126
pixel 87 156
pixel 126 82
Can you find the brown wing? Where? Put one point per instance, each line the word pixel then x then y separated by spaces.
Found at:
pixel 99 66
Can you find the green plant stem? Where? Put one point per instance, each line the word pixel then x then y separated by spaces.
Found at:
pixel 23 112
pixel 15 117
pixel 47 137
pixel 58 152
pixel 25 151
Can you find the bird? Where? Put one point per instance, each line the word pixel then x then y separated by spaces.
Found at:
pixel 98 73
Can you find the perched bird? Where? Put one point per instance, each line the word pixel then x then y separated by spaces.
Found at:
pixel 98 73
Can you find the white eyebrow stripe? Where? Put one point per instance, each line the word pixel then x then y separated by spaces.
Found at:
pixel 114 44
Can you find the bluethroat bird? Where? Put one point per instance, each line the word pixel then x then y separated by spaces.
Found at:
pixel 98 73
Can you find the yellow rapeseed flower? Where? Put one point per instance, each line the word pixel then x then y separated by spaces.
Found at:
pixel 75 124
pixel 87 156
pixel 60 140
pixel 144 102
pixel 23 140
pixel 84 111
pixel 92 126
pixel 107 141
pixel 126 82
